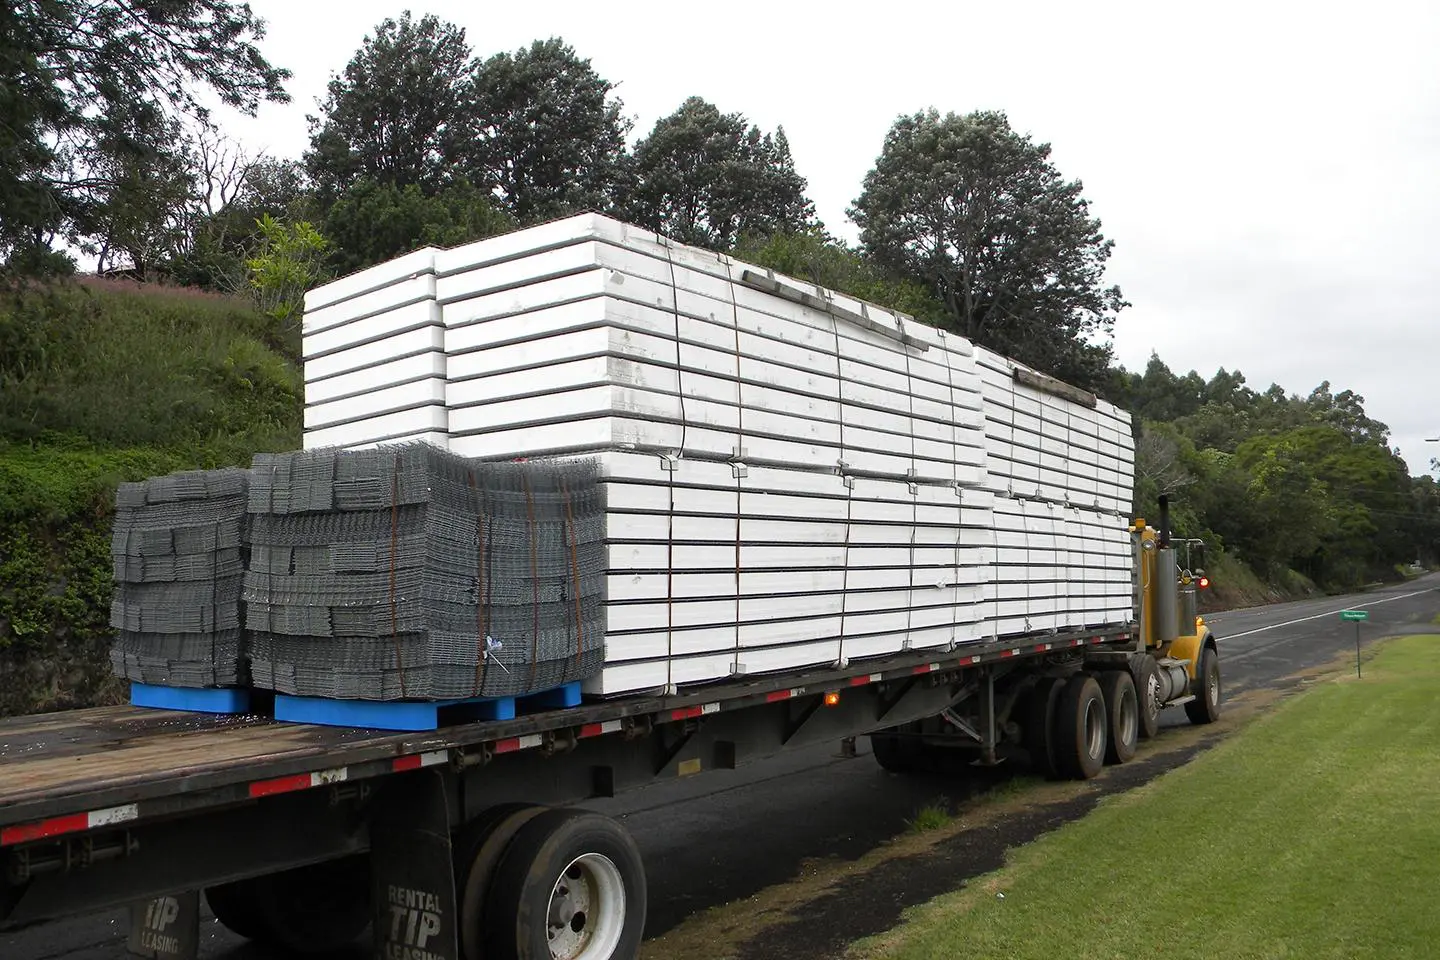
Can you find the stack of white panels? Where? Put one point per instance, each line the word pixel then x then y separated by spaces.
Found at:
pixel 614 340
pixel 1046 446
pixel 787 482
pixel 374 351
pixel 794 478
pixel 716 570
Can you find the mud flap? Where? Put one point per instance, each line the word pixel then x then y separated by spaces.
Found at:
pixel 166 928
pixel 412 871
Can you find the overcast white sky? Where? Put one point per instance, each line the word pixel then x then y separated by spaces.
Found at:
pixel 1268 171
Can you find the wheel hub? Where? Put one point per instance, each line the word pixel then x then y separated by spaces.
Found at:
pixel 587 910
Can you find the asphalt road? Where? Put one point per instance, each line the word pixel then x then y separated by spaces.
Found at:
pixel 726 836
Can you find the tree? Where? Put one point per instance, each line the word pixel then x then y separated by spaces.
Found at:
pixel 978 212
pixel 709 178
pixel 289 262
pixel 373 222
pixel 142 214
pixel 399 112
pixel 236 191
pixel 84 88
pixel 550 137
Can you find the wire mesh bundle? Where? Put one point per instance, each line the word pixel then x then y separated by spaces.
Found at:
pixel 178 562
pixel 407 572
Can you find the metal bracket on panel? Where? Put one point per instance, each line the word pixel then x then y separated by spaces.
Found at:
pixel 669 462
pixel 670 690
pixel 738 669
pixel 914 488
pixel 738 453
pixel 842 663
pixel 848 481
pixel 738 470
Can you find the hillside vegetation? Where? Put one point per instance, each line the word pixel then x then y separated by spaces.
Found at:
pixel 101 383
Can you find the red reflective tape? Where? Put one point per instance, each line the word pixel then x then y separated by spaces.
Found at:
pixel 266 788
pixel 970 660
pixel 686 713
pixel 1008 653
pixel 775 695
pixel 25 832
pixel 1076 643
pixel 596 729
pixel 402 764
pixel 518 743
pixel 1097 639
pixel 859 681
pixel 1041 647
pixel 927 668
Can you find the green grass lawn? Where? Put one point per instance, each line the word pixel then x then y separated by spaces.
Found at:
pixel 1314 832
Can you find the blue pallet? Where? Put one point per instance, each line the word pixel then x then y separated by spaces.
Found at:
pixel 417 715
pixel 209 700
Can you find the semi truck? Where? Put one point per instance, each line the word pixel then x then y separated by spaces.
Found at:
pixel 469 841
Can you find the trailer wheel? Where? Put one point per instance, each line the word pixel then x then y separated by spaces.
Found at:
pixel 1080 734
pixel 570 887
pixel 1039 730
pixel 1205 708
pixel 310 910
pixel 1122 707
pixel 1147 688
pixel 482 844
pixel 235 905
pixel 897 753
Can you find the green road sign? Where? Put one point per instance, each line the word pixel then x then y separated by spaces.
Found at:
pixel 1354 614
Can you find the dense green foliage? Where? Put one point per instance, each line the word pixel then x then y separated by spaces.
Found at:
pixel 372 222
pixel 397 112
pixel 1282 482
pixel 550 137
pixel 100 383
pixel 708 178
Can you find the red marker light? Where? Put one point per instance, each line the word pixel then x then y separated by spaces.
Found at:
pixel 1204 582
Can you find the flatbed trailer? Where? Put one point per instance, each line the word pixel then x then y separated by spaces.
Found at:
pixel 462 842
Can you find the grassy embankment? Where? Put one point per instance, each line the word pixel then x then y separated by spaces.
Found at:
pixel 99 383
pixel 1313 833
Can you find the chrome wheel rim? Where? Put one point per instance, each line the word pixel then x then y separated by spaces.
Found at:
pixel 587 910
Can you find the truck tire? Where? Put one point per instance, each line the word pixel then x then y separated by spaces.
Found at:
pixel 1205 708
pixel 1080 728
pixel 570 886
pixel 1147 689
pixel 1122 708
pixel 309 910
pixel 482 843
pixel 235 906
pixel 1039 729
pixel 897 753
